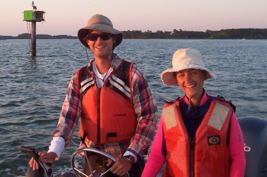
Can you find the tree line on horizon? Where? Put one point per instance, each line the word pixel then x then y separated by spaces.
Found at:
pixel 242 33
pixel 249 33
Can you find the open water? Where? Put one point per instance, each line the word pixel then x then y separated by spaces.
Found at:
pixel 33 89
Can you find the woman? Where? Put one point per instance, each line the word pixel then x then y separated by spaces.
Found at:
pixel 198 135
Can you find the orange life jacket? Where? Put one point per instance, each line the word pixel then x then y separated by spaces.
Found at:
pixel 107 113
pixel 208 156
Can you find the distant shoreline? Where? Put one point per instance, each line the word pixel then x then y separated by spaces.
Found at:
pixel 242 33
pixel 38 36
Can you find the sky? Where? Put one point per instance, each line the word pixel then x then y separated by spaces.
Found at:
pixel 66 17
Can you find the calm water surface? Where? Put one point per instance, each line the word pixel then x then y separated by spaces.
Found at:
pixel 33 89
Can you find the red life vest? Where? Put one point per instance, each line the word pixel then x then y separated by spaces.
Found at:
pixel 107 113
pixel 209 155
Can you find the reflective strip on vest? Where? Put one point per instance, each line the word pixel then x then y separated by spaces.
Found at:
pixel 218 116
pixel 119 84
pixel 169 117
pixel 86 83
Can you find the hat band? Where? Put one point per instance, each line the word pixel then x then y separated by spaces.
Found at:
pixel 102 23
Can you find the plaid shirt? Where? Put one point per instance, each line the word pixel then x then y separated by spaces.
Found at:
pixel 144 105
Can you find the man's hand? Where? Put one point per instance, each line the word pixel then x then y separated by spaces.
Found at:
pixel 121 166
pixel 49 157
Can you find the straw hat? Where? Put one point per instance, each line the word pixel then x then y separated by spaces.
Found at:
pixel 184 59
pixel 99 23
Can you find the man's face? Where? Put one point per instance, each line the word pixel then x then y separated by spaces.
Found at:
pixel 101 44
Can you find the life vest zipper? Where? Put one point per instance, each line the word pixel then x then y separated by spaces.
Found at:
pixel 192 149
pixel 98 116
pixel 192 143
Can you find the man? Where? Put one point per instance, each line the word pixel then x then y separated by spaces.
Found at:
pixel 112 100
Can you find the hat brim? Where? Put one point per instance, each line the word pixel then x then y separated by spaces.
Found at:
pixel 103 28
pixel 168 76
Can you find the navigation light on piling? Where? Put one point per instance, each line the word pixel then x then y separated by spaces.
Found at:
pixel 33 16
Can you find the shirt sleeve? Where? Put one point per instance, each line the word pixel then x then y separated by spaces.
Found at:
pixel 70 112
pixel 156 157
pixel 236 145
pixel 57 146
pixel 146 110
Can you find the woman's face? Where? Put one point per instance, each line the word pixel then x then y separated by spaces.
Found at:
pixel 191 82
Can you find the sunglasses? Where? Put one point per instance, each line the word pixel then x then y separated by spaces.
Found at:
pixel 103 36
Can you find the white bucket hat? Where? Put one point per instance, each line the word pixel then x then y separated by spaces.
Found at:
pixel 184 59
pixel 99 23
